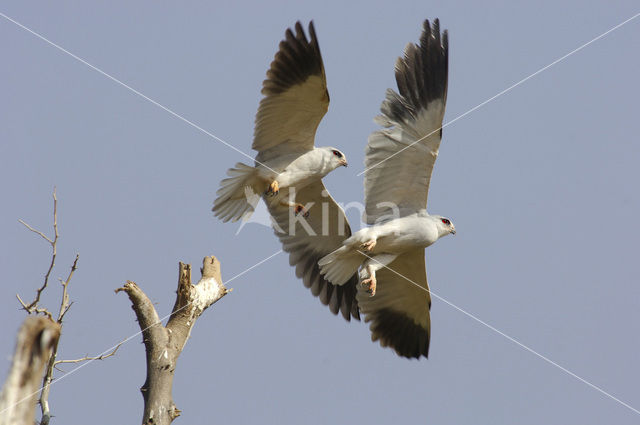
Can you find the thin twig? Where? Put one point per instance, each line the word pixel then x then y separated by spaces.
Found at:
pixel 86 359
pixel 67 308
pixel 45 237
pixel 64 303
pixel 36 310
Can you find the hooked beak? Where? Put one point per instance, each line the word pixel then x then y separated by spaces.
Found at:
pixel 453 231
pixel 343 162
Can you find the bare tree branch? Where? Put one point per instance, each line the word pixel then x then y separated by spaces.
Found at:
pixel 143 307
pixel 163 344
pixel 46 386
pixel 33 306
pixel 65 305
pixel 36 339
pixel 48 376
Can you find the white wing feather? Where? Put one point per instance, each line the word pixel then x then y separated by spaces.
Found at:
pixel 399 159
pixel 296 97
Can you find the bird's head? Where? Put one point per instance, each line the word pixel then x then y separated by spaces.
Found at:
pixel 444 225
pixel 336 158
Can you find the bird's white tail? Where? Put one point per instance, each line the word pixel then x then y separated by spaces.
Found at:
pixel 338 266
pixel 236 197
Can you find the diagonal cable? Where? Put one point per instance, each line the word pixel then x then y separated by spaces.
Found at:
pixel 114 79
pixel 515 341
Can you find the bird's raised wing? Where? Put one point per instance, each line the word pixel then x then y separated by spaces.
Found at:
pixel 296 97
pixel 399 158
pixel 311 238
pixel 399 312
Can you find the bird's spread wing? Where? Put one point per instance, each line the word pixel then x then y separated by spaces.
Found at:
pixel 399 158
pixel 296 97
pixel 327 229
pixel 399 312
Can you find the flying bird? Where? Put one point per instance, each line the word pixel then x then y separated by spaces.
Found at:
pixel 393 294
pixel 380 270
pixel 289 168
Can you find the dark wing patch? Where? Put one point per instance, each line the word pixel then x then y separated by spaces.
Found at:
pixel 398 331
pixel 297 59
pixel 421 75
pixel 305 248
pixel 399 311
pixel 339 298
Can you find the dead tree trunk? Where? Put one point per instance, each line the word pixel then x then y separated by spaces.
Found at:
pixel 163 344
pixel 36 339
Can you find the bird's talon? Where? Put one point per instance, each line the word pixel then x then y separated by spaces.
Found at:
pixel 371 283
pixel 274 188
pixel 369 246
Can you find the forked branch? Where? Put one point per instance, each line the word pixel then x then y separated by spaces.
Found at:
pixel 163 344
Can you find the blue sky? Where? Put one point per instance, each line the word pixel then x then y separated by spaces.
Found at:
pixel 540 182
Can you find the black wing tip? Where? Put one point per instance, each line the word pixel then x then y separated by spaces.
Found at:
pixel 298 58
pixel 344 300
pixel 421 73
pixel 339 298
pixel 399 332
pixel 434 51
pixel 349 303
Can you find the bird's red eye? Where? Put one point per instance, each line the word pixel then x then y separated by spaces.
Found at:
pixel 337 153
pixel 445 221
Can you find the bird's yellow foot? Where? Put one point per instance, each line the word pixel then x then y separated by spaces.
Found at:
pixel 371 284
pixel 300 209
pixel 368 246
pixel 274 188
